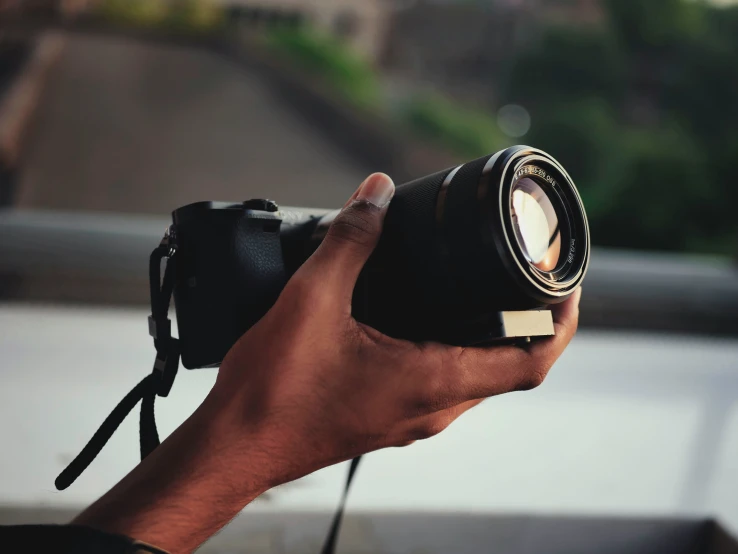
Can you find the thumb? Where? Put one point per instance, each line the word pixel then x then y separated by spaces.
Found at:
pixel 353 234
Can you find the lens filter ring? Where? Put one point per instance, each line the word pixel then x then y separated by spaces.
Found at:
pixel 556 216
pixel 537 221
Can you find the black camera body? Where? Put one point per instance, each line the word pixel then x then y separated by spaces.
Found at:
pixel 455 262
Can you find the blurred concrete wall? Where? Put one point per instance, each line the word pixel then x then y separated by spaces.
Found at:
pixel 127 126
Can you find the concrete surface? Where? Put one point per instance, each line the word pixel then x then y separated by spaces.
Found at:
pixel 626 424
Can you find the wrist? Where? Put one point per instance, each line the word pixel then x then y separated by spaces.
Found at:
pixel 196 481
pixel 246 438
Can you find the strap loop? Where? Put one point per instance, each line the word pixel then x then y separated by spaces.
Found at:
pixel 159 328
pixel 165 368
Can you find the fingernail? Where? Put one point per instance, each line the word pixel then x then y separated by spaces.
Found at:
pixel 578 295
pixel 377 189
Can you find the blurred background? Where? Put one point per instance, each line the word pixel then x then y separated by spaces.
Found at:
pixel 115 112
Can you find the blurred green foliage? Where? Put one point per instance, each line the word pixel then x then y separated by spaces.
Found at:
pixel 185 16
pixel 643 111
pixel 468 132
pixel 329 58
pixel 134 12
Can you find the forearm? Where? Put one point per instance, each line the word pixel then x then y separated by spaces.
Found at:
pixel 188 488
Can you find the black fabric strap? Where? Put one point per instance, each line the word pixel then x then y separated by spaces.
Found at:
pixel 158 382
pixel 103 434
pixel 148 435
pixel 329 547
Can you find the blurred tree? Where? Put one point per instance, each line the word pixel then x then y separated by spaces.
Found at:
pixel 643 112
pixel 656 24
pixel 655 194
pixel 142 13
pixel 467 132
pixel 568 64
pixel 195 15
pixel 582 134
pixel 184 16
pixel 331 59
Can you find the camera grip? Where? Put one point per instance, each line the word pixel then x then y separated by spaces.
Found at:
pixel 230 272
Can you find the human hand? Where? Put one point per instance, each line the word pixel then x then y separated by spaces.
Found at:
pixel 323 388
pixel 309 386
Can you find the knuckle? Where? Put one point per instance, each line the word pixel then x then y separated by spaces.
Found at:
pixel 532 378
pixel 431 393
pixel 569 327
pixel 437 385
pixel 357 224
pixel 431 427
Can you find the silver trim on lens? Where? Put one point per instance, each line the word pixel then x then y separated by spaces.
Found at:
pixel 553 288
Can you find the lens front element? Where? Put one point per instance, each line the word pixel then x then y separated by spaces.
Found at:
pixel 536 224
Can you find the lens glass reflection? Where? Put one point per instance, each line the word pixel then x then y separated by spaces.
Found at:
pixel 536 224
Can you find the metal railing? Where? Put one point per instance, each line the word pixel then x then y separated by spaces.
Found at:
pixel 102 258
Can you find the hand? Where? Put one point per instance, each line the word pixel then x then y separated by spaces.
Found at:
pixel 309 386
pixel 325 388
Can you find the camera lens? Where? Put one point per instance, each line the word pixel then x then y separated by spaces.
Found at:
pixel 536 224
pixel 505 232
pixel 511 233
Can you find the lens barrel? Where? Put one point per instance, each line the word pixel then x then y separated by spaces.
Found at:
pixel 462 243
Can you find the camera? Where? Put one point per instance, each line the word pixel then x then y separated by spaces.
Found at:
pixel 468 255
pixel 473 254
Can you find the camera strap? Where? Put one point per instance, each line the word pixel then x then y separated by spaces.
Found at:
pixel 157 383
pixel 329 547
